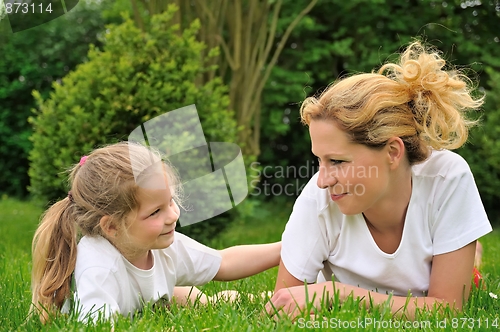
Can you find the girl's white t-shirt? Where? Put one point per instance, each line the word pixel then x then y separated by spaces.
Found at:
pixel 106 283
pixel 444 214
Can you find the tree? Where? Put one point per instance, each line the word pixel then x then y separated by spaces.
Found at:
pixel 246 31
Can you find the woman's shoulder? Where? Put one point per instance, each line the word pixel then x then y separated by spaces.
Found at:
pixel 312 192
pixel 315 202
pixel 443 163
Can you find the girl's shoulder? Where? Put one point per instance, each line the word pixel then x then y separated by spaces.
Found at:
pixel 96 252
pixel 184 246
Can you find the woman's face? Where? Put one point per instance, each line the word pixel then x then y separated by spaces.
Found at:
pixel 356 176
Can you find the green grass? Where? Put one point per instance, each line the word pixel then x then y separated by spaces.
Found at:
pixel 18 221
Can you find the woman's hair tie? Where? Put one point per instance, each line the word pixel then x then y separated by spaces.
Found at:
pixel 70 197
pixel 83 160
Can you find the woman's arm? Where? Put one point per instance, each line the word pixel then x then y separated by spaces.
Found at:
pixel 285 279
pixel 449 285
pixel 246 260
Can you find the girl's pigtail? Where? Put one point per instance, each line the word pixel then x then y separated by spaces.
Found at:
pixel 54 258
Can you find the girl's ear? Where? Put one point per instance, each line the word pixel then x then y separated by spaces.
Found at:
pixel 108 226
pixel 395 151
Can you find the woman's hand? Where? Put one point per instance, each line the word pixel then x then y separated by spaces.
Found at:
pixel 449 286
pixel 295 301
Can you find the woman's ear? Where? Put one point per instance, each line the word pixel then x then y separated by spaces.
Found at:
pixel 395 151
pixel 108 226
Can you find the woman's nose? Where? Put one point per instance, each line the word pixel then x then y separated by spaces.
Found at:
pixel 326 179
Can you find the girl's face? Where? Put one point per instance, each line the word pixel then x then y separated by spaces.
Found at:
pixel 357 177
pixel 152 225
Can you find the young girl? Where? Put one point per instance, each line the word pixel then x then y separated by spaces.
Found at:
pixel 123 201
pixel 391 211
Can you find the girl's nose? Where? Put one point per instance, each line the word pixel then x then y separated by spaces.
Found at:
pixel 173 214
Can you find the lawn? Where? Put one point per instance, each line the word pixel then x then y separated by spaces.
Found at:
pixel 18 221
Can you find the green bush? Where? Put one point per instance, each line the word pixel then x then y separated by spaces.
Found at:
pixel 136 77
pixel 33 59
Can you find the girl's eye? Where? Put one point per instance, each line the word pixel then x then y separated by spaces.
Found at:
pixel 152 214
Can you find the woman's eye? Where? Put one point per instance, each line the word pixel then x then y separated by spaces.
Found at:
pixel 332 161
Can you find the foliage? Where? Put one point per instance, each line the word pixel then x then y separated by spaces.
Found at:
pixel 34 59
pixel 483 150
pixel 136 77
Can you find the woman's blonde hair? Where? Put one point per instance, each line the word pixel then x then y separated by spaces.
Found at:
pixel 104 185
pixel 416 99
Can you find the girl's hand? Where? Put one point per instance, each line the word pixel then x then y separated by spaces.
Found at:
pixel 226 295
pixel 232 296
pixel 185 295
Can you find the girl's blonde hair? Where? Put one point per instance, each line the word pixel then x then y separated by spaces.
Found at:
pixel 415 99
pixel 104 185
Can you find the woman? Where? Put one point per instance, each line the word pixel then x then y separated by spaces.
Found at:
pixel 392 212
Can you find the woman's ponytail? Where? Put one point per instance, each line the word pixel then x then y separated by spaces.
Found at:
pixel 439 97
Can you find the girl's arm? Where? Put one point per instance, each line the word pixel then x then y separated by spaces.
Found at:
pixel 246 260
pixel 449 284
pixel 184 295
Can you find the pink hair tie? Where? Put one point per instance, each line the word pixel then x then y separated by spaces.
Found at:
pixel 83 159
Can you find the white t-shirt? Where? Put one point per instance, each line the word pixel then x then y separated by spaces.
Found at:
pixel 106 283
pixel 445 213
